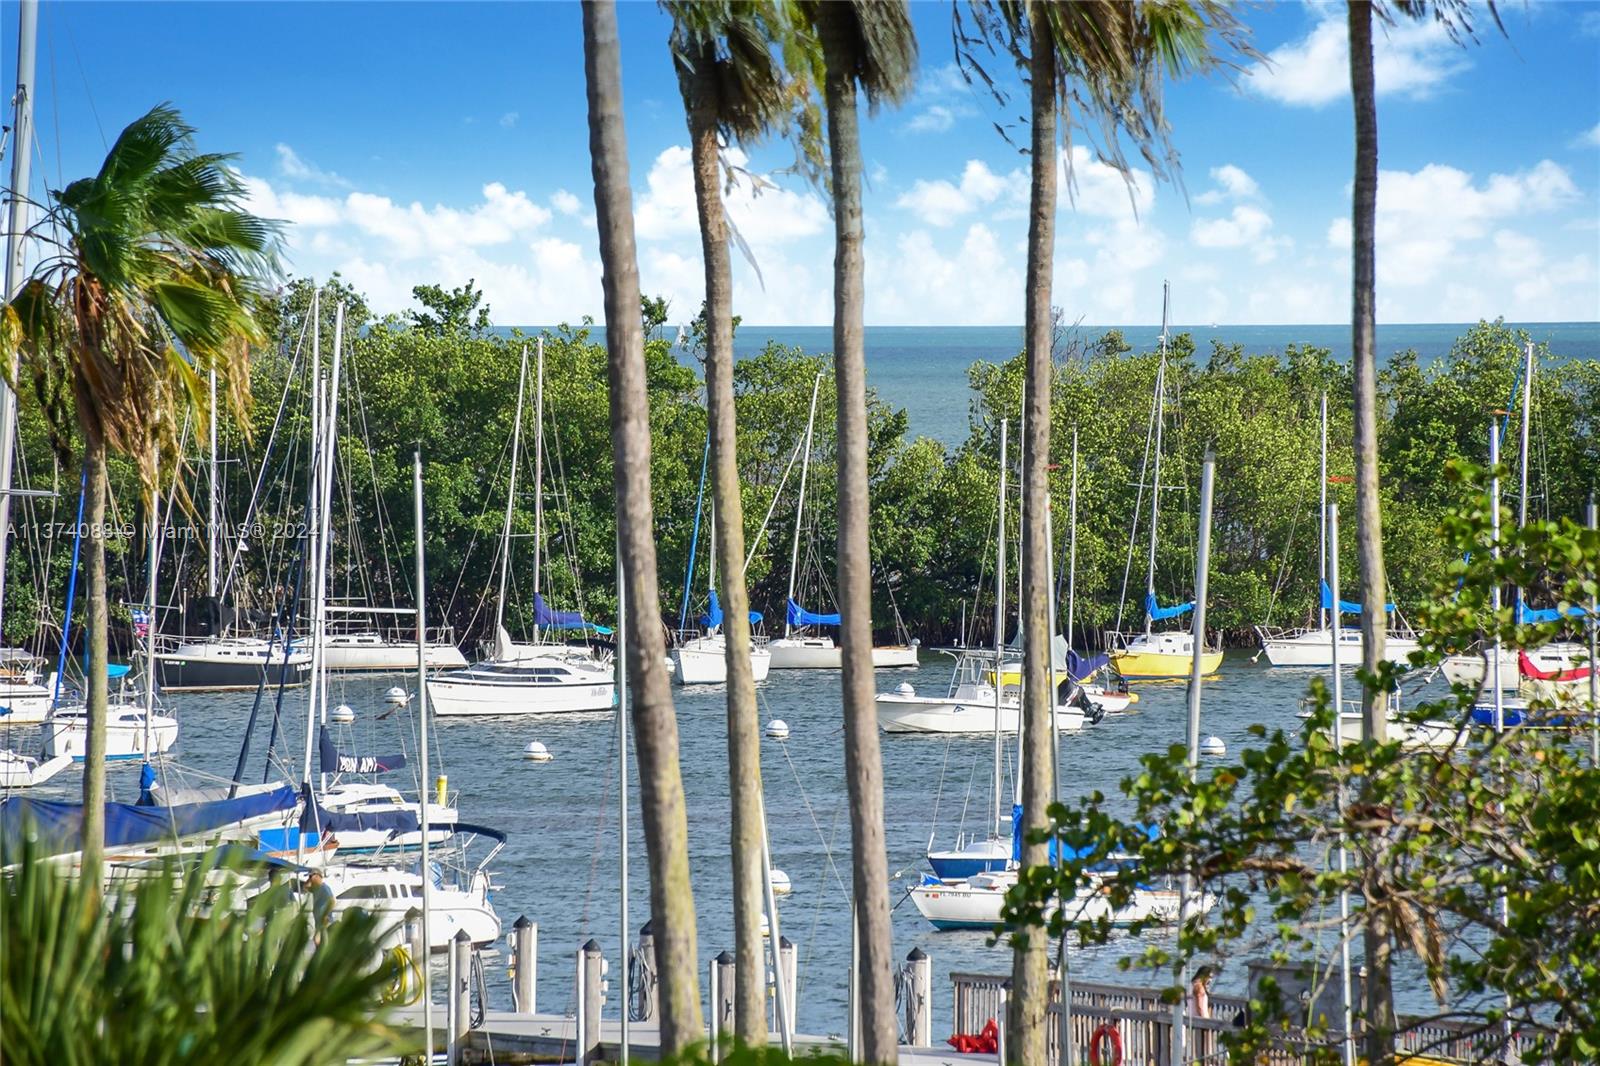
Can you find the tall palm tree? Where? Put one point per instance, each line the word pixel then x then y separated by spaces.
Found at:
pixel 735 89
pixel 867 46
pixel 1099 61
pixel 152 280
pixel 655 725
pixel 1455 16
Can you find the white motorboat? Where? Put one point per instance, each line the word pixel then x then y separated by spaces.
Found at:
pixel 534 681
pixel 27 688
pixel 968 707
pixel 372 652
pixel 976 903
pixel 67 732
pixel 25 771
pixel 703 660
pixel 1314 647
pixel 391 893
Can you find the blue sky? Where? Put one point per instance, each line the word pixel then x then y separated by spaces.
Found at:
pixel 411 143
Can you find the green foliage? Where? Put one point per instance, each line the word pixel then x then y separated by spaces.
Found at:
pixel 177 967
pixel 1435 838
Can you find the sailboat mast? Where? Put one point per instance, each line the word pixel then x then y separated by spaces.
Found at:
pixel 1072 544
pixel 800 503
pixel 1323 569
pixel 999 619
pixel 422 746
pixel 21 162
pixel 538 466
pixel 621 668
pixel 511 499
pixel 1155 478
pixel 211 486
pixel 152 563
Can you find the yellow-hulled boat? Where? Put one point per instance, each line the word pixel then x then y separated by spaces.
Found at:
pixel 1165 656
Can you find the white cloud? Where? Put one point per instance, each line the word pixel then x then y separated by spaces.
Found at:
pixel 1232 183
pixel 1246 226
pixel 935 118
pixel 566 203
pixel 977 282
pixel 509 119
pixel 411 230
pixel 942 203
pixel 1410 58
pixel 766 215
pixel 1589 138
pixel 1099 189
pixel 291 166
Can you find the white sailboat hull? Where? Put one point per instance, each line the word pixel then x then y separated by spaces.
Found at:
pixel 24 771
pixel 26 702
pixel 1473 669
pixel 529 684
pixel 370 654
pixel 1314 648
pixel 976 904
pixel 67 733
pixel 821 653
pixel 704 661
pixel 899 713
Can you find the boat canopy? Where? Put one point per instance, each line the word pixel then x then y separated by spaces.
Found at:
pixel 58 827
pixel 1056 848
pixel 1528 616
pixel 1159 613
pixel 336 762
pixel 713 616
pixel 799 616
pixel 544 616
pixel 316 818
pixel 1345 606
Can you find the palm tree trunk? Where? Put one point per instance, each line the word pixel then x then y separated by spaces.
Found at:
pixel 94 759
pixel 1380 1019
pixel 744 736
pixel 655 726
pixel 1030 977
pixel 863 763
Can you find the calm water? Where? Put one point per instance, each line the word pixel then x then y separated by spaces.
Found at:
pixel 560 867
pixel 923 368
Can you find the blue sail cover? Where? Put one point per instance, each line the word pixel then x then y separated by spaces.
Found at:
pixel 1081 666
pixel 1527 616
pixel 336 762
pixel 713 616
pixel 1056 849
pixel 58 827
pixel 1160 613
pixel 799 616
pixel 1345 606
pixel 317 818
pixel 544 616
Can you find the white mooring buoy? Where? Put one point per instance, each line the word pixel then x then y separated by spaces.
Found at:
pixel 396 697
pixel 778 729
pixel 1213 746
pixel 780 882
pixel 536 752
pixel 905 688
pixel 342 714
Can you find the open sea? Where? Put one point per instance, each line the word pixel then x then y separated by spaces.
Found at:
pixel 560 866
pixel 924 368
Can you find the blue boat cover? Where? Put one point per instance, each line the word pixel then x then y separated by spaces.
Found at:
pixel 1056 850
pixel 1527 616
pixel 1345 606
pixel 799 616
pixel 336 762
pixel 544 616
pixel 1081 666
pixel 1158 612
pixel 58 827
pixel 316 818
pixel 713 616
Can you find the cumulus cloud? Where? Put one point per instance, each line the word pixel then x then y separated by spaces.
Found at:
pixel 1589 138
pixel 935 118
pixel 1409 59
pixel 566 203
pixel 1099 189
pixel 1245 226
pixel 942 203
pixel 292 166
pixel 1230 183
pixel 509 119
pixel 766 215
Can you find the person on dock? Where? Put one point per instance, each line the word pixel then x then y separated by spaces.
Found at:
pixel 1200 993
pixel 321 904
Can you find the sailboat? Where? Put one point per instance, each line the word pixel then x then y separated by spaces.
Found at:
pixel 543 677
pixel 1159 655
pixel 804 645
pixel 210 655
pixel 1313 646
pixel 984 696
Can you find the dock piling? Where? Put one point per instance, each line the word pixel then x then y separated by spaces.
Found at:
pixel 591 972
pixel 1003 1020
pixel 788 959
pixel 525 960
pixel 722 992
pixel 459 1009
pixel 641 978
pixel 918 1006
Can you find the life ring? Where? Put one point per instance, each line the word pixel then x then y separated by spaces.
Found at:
pixel 1110 1032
